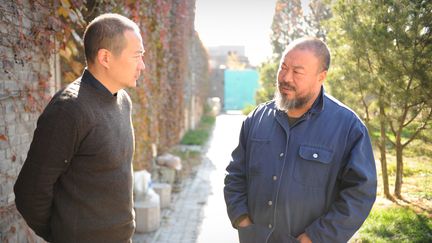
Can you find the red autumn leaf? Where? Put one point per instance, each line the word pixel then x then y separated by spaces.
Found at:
pixel 3 137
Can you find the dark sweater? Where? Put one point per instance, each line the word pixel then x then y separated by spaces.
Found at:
pixel 76 183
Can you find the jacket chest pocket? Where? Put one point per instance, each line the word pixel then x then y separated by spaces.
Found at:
pixel 312 166
pixel 258 156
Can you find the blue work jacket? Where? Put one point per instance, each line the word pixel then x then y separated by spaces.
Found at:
pixel 317 176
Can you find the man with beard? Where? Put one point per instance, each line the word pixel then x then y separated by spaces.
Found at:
pixel 303 170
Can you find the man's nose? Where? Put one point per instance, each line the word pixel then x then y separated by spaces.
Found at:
pixel 141 65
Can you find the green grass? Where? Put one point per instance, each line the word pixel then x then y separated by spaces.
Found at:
pixel 390 222
pixel 407 172
pixel 395 224
pixel 200 135
pixel 417 178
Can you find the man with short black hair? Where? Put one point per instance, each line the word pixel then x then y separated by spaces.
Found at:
pixel 303 170
pixel 76 183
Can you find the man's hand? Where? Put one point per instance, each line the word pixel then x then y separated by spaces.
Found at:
pixel 245 222
pixel 304 238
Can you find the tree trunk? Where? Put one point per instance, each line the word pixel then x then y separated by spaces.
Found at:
pixel 382 147
pixel 399 167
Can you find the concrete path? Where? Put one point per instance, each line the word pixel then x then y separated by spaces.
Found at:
pixel 216 226
pixel 198 214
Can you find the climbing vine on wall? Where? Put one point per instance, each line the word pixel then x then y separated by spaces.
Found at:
pixel 167 28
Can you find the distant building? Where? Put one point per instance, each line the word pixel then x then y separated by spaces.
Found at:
pixel 231 75
pixel 219 56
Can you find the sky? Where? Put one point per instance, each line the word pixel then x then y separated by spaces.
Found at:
pixel 237 22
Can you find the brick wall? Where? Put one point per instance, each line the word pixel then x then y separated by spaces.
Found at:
pixel 22 66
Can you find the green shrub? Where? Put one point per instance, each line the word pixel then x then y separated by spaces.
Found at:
pixel 248 109
pixel 200 135
pixel 195 137
pixel 207 121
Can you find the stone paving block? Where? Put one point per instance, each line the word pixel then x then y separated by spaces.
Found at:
pixel 147 213
pixel 163 174
pixel 164 192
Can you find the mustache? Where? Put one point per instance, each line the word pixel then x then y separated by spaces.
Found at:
pixel 286 86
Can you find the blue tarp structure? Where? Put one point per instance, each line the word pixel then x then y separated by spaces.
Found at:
pixel 239 88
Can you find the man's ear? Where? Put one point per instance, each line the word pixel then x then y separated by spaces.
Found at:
pixel 322 76
pixel 104 57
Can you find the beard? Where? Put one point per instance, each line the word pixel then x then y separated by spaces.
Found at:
pixel 284 104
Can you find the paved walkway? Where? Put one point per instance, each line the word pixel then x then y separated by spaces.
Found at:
pixel 198 214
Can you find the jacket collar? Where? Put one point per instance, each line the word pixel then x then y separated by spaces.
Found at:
pixel 88 78
pixel 318 104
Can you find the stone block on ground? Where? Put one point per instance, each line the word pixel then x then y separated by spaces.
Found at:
pixel 142 180
pixel 170 161
pixel 147 212
pixel 164 192
pixel 163 174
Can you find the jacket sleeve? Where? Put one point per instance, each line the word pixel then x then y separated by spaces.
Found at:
pixel 49 156
pixel 358 185
pixel 235 190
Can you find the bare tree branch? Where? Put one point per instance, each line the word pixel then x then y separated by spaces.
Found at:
pixel 419 129
pixel 413 117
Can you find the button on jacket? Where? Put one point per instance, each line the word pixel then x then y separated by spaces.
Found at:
pixel 317 176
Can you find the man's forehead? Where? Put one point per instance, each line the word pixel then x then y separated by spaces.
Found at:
pixel 134 38
pixel 132 35
pixel 294 63
pixel 297 56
